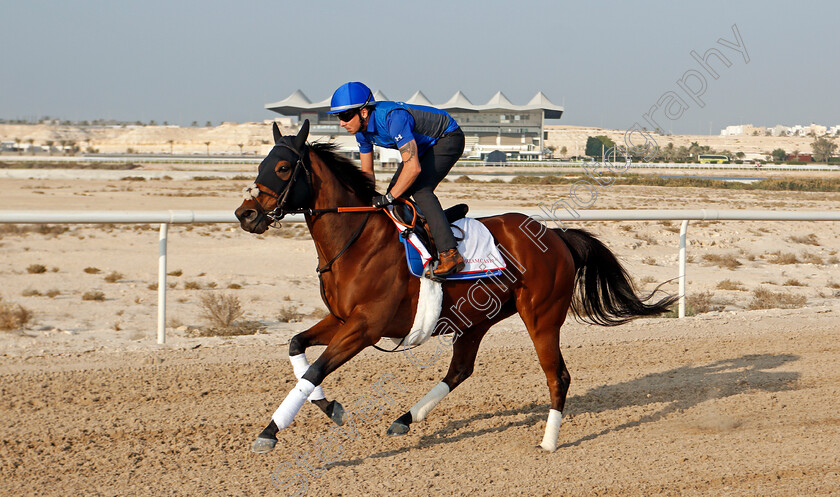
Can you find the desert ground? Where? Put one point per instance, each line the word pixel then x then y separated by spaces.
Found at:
pixel 254 138
pixel 739 398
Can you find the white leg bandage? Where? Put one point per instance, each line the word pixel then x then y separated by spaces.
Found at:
pixel 429 401
pixel 552 430
pixel 284 414
pixel 300 364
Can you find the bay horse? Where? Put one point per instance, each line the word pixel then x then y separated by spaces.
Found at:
pixel 367 287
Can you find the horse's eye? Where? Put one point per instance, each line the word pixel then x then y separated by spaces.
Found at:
pixel 283 169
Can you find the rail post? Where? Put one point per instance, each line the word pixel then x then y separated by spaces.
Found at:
pixel 161 322
pixel 683 231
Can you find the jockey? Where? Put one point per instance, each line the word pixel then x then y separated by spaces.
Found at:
pixel 429 141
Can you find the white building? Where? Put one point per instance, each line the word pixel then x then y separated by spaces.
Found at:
pixel 780 130
pixel 498 124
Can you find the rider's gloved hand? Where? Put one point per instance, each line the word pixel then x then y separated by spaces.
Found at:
pixel 383 200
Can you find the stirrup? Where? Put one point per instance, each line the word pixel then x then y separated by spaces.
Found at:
pixel 430 272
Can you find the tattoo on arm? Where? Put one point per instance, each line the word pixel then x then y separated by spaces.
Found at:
pixel 409 148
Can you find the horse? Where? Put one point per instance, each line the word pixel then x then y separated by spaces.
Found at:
pixel 370 294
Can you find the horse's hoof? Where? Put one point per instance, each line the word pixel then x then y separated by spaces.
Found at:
pixel 336 413
pixel 397 429
pixel 263 445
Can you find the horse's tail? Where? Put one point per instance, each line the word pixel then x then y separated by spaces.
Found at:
pixel 604 293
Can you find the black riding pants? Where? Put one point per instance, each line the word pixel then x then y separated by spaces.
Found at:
pixel 435 164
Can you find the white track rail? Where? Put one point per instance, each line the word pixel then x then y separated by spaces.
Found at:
pixel 165 218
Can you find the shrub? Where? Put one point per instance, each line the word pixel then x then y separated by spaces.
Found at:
pixel 175 273
pixel 94 295
pixel 730 285
pixel 768 299
pixel 809 258
pixel 778 257
pixel 36 269
pixel 793 282
pixel 192 285
pixel 13 316
pixel 700 303
pixel 221 309
pixel 92 270
pixel 234 286
pixel 53 293
pixel 722 260
pixel 289 314
pixel 645 237
pixel 319 314
pixel 30 293
pixel 810 239
pixel 114 277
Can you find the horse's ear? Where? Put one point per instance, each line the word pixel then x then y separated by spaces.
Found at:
pixel 276 130
pixel 303 134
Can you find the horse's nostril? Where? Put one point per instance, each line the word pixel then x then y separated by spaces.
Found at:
pixel 249 215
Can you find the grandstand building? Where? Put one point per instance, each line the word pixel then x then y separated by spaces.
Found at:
pixel 516 130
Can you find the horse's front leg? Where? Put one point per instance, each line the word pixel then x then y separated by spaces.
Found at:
pixel 348 340
pixel 320 334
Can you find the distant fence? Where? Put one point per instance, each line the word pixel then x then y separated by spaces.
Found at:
pixel 551 163
pixel 165 218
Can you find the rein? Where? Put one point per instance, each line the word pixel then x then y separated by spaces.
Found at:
pixel 279 213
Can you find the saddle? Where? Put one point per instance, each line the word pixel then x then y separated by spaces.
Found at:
pixel 405 214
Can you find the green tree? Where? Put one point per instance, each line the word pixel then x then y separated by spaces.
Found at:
pixel 778 155
pixel 669 152
pixel 595 145
pixel 823 148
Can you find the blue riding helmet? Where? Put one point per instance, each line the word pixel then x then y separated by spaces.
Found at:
pixel 353 95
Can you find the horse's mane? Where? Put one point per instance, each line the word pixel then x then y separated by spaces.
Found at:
pixel 345 170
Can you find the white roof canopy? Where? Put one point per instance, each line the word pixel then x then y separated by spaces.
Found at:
pixel 297 102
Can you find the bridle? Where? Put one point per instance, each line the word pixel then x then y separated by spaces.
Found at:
pixel 282 197
pixel 280 211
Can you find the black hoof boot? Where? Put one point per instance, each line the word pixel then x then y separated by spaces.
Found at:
pixel 336 413
pixel 400 426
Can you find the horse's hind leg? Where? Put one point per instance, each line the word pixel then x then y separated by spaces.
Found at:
pixel 545 333
pixel 464 351
pixel 320 334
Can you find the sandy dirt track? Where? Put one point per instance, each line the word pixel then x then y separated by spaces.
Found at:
pixel 730 402
pixel 749 408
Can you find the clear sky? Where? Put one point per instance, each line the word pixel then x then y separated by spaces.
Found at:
pixel 607 62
